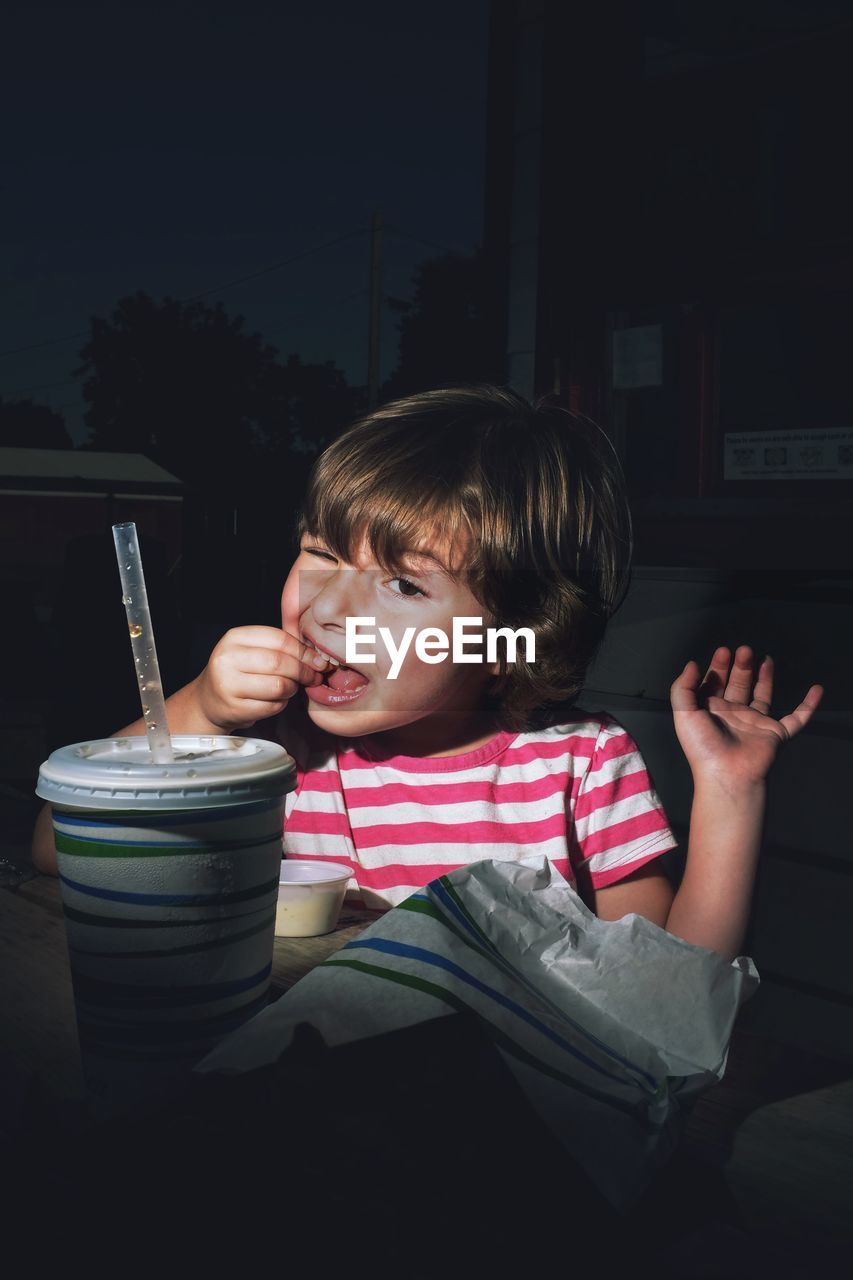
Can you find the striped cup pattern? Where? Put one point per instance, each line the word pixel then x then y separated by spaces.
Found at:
pixel 170 923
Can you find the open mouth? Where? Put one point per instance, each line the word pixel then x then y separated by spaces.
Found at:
pixel 344 679
pixel 340 678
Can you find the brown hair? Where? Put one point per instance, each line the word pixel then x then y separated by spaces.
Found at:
pixel 539 489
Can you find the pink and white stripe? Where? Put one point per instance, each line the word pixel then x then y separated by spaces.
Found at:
pixel 578 793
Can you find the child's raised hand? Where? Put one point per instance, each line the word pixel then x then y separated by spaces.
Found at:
pixel 723 720
pixel 253 673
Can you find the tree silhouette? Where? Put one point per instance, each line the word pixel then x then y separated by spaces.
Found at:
pixel 25 425
pixel 319 404
pixel 446 334
pixel 185 385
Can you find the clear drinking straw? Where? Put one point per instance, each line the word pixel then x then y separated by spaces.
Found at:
pixel 134 597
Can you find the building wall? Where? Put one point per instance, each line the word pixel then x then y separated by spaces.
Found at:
pixel 687 193
pixel 798 935
pixel 36 528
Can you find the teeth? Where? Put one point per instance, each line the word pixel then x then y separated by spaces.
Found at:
pixel 327 656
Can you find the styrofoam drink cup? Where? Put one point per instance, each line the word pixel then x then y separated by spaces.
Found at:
pixel 310 896
pixel 169 878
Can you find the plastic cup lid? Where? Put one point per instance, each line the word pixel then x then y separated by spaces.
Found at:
pixel 309 871
pixel 207 772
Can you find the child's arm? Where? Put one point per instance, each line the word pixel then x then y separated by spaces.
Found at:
pixel 711 907
pixel 730 742
pixel 251 675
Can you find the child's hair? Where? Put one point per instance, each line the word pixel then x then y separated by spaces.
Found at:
pixel 540 491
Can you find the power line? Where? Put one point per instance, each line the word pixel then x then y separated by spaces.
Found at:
pixel 430 244
pixel 313 314
pixel 28 391
pixel 309 315
pixel 51 342
pixel 228 284
pixel 276 266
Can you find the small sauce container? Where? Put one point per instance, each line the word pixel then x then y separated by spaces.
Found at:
pixel 310 896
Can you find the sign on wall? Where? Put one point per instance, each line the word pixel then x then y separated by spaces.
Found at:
pixel 789 455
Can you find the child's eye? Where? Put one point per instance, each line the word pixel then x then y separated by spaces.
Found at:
pixel 317 551
pixel 408 589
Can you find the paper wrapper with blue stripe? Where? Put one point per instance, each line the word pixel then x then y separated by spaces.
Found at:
pixel 609 1027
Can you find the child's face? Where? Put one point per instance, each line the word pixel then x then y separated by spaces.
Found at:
pixel 427 704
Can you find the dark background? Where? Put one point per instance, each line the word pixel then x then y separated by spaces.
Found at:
pixel 188 197
pixel 189 194
pixel 173 147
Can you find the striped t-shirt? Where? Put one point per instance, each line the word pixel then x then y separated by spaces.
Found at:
pixel 577 792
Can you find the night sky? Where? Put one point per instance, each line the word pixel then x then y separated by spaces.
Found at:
pixel 175 147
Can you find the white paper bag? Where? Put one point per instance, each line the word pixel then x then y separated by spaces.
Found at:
pixel 609 1027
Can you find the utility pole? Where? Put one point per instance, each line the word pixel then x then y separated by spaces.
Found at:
pixel 375 311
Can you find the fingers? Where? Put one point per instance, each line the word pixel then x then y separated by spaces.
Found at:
pixel 264 688
pixel 801 715
pixel 305 654
pixel 297 661
pixel 733 680
pixel 254 672
pixel 721 685
pixel 259 697
pixel 763 695
pixel 689 691
pixel 268 651
pixel 262 637
pixel 715 678
pixel 683 690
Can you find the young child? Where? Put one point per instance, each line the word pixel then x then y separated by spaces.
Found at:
pixel 470 503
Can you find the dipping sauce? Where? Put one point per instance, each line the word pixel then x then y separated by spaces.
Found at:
pixel 310 896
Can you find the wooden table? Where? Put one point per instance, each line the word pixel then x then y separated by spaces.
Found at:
pixel 38 1032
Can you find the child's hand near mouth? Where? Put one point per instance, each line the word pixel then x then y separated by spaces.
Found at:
pixel 253 673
